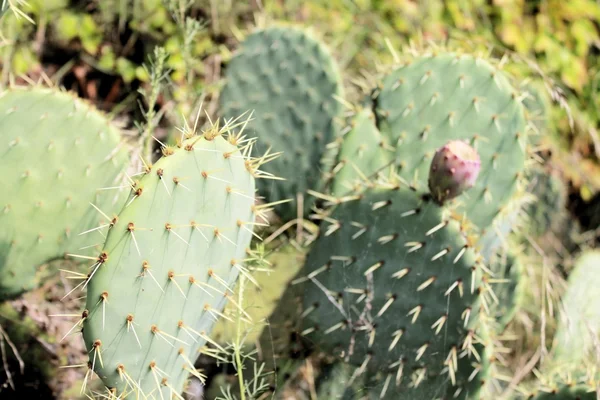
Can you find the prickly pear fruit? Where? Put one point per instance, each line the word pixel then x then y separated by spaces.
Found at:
pixel 170 263
pixel 454 169
pixel 56 151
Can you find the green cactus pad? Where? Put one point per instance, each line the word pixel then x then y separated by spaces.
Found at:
pixel 289 79
pixel 509 291
pixel 495 238
pixel 335 383
pixel 56 151
pixel 579 326
pixel 396 287
pixel 444 97
pixel 260 300
pixel 363 152
pixel 564 391
pixel 549 212
pixel 169 265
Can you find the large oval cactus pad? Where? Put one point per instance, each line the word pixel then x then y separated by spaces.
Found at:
pixel 169 265
pixel 397 290
pixel 56 151
pixel 444 97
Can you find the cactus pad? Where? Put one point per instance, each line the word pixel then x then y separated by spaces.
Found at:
pixel 169 265
pixel 509 292
pixel 289 80
pixel 548 213
pixel 363 152
pixel 423 105
pixel 579 329
pixel 56 151
pixel 560 387
pixel 396 288
pixel 580 392
pixel 260 300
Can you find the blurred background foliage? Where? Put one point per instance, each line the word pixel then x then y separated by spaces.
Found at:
pixel 102 49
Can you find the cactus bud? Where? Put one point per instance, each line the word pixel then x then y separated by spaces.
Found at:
pixel 453 170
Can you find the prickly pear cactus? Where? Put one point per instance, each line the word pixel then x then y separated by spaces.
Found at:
pixel 509 288
pixel 393 285
pixel 559 386
pixel 363 152
pixel 454 169
pixel 442 97
pixel 565 392
pixel 169 265
pixel 260 299
pixel 56 152
pixel 549 211
pixel 579 326
pixel 289 79
pixel 335 383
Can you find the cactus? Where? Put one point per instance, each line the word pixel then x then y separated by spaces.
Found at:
pixel 335 383
pixel 565 392
pixel 289 79
pixel 454 169
pixel 57 152
pixel 395 288
pixel 261 299
pixel 579 328
pixel 508 269
pixel 169 264
pixel 560 386
pixel 442 97
pixel 363 151
pixel 549 212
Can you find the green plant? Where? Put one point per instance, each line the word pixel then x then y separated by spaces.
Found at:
pixel 170 263
pixel 561 386
pixel 362 153
pixel 509 289
pixel 261 298
pixel 579 328
pixel 58 152
pixel 440 97
pixel 566 391
pixel 389 251
pixel 289 80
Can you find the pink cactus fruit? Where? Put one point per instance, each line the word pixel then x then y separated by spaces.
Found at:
pixel 453 170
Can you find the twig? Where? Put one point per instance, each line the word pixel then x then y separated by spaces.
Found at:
pixel 3 337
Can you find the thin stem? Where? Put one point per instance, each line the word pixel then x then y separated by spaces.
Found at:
pixel 238 339
pixel 158 74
